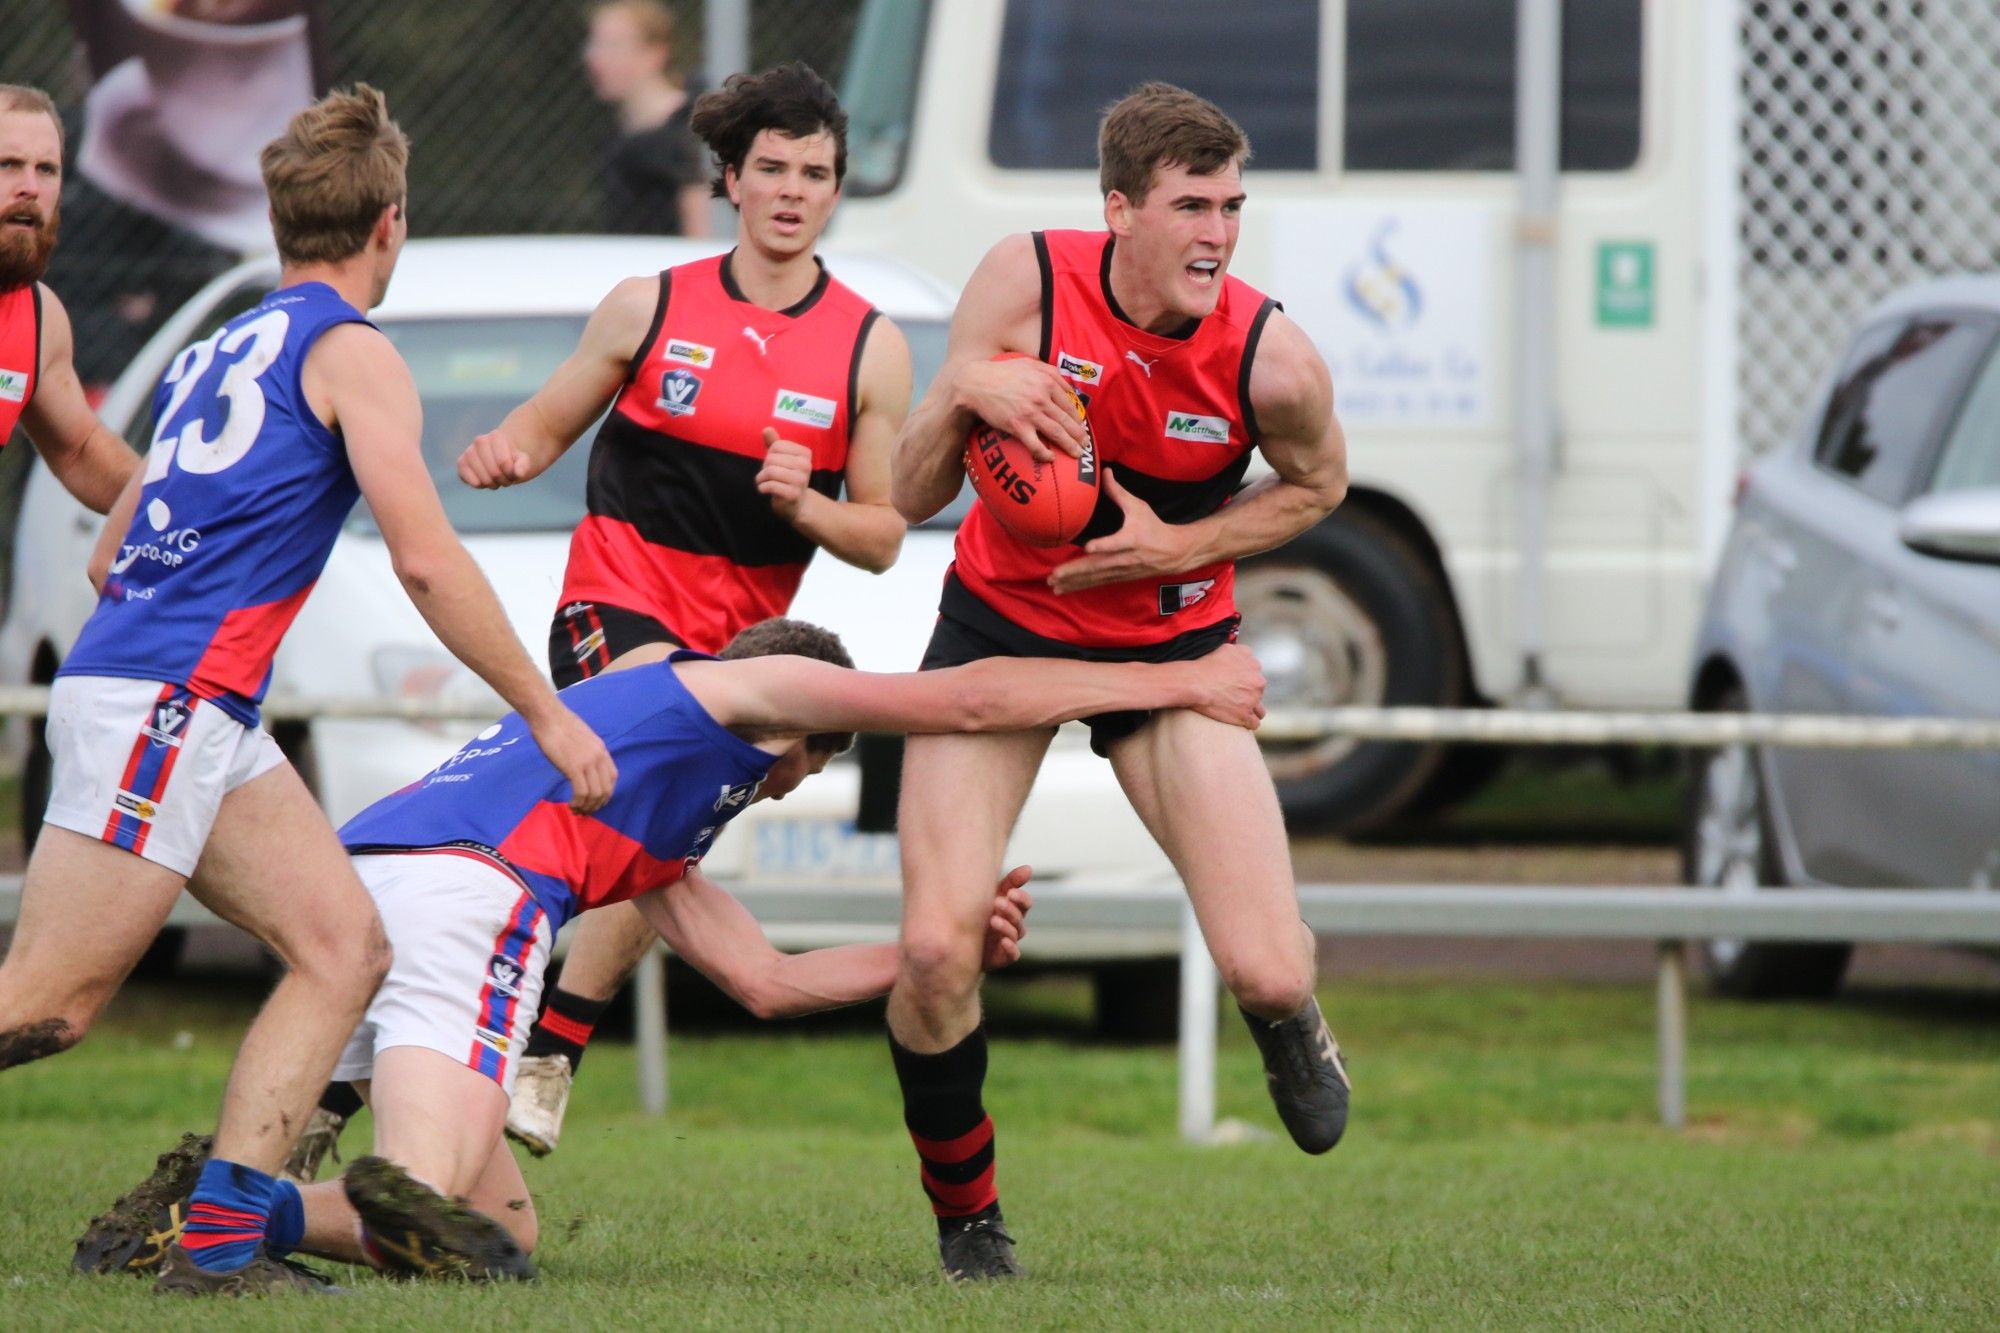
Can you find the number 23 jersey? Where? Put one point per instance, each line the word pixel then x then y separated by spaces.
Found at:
pixel 245 492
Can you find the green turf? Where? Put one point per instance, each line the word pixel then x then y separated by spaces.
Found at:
pixel 1504 1171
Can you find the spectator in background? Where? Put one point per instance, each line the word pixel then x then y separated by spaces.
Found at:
pixel 655 180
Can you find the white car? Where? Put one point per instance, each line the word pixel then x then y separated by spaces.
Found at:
pixel 482 322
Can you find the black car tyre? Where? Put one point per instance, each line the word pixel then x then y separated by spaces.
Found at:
pixel 1727 844
pixel 1349 612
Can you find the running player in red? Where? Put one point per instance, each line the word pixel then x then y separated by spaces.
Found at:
pixel 267 433
pixel 38 384
pixel 744 391
pixel 1185 370
pixel 477 865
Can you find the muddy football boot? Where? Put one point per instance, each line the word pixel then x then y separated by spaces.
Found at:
pixel 319 1142
pixel 1307 1080
pixel 977 1248
pixel 417 1232
pixel 541 1095
pixel 134 1236
pixel 262 1276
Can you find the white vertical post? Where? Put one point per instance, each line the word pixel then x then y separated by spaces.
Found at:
pixel 1672 1002
pixel 649 1005
pixel 725 39
pixel 1721 197
pixel 1537 164
pixel 1197 1064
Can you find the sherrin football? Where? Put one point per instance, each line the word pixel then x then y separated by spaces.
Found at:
pixel 1044 504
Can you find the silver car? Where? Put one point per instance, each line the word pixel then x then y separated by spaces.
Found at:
pixel 1861 576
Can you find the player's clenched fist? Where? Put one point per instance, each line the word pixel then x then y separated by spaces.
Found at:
pixel 579 755
pixel 492 461
pixel 1232 686
pixel 1009 921
pixel 786 475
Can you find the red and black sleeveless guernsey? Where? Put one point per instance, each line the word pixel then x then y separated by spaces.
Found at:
pixel 20 353
pixel 676 528
pixel 1170 412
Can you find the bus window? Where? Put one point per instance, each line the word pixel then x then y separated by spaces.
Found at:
pixel 1430 85
pixel 1062 62
pixel 879 92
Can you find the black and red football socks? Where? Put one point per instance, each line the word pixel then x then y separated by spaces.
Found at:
pixel 949 1126
pixel 565 1026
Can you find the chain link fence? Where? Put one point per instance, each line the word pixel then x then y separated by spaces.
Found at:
pixel 1869 158
pixel 507 135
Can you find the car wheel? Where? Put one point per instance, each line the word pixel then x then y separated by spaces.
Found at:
pixel 1349 613
pixel 1727 845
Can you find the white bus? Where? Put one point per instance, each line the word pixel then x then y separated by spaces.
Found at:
pixel 1735 175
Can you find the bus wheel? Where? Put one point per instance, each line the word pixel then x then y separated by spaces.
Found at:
pixel 1349 613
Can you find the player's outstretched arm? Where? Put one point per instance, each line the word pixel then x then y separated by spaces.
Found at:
pixel 90 462
pixel 1292 394
pixel 355 379
pixel 536 433
pixel 704 924
pixel 786 695
pixel 864 529
pixel 999 311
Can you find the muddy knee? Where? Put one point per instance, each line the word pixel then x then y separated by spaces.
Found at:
pixel 43 1037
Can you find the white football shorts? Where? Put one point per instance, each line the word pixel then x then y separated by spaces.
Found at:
pixel 144 765
pixel 470 949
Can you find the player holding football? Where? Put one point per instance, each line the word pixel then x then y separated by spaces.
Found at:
pixel 477 865
pixel 1185 370
pixel 267 433
pixel 748 388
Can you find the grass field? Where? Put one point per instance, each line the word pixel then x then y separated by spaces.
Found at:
pixel 1503 1171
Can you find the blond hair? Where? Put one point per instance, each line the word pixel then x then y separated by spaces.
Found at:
pixel 338 164
pixel 1159 125
pixel 20 97
pixel 654 20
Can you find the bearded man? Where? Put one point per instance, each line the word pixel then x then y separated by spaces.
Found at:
pixel 38 384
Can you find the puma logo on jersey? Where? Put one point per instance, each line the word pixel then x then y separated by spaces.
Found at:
pixel 687 353
pixel 763 340
pixel 1180 596
pixel 1078 369
pixel 736 797
pixel 1142 362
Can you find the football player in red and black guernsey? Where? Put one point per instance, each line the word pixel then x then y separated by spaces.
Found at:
pixel 38 384
pixel 744 391
pixel 1185 370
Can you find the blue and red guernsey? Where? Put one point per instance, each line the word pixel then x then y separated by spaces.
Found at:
pixel 681 776
pixel 20 353
pixel 1169 412
pixel 677 529
pixel 245 492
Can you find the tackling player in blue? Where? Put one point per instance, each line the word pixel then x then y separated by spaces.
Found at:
pixel 267 433
pixel 476 865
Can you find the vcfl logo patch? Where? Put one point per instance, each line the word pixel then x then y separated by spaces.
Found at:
pixel 170 719
pixel 678 390
pixel 504 974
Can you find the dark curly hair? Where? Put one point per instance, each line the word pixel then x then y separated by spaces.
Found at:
pixel 791 99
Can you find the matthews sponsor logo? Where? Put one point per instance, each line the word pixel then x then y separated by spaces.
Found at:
pixel 13 385
pixel 1202 430
pixel 1180 596
pixel 678 390
pixel 803 408
pixel 1078 369
pixel 497 1040
pixel 687 353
